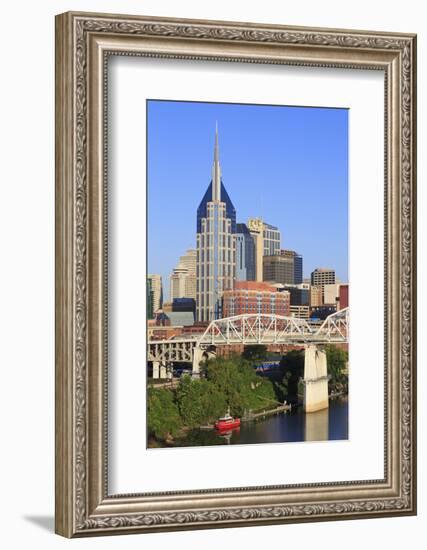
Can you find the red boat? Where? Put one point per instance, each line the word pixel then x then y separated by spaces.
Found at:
pixel 227 422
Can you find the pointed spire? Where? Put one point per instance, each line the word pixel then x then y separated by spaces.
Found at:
pixel 216 170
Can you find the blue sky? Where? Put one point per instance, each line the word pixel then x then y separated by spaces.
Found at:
pixel 287 165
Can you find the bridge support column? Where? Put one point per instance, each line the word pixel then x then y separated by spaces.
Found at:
pixel 315 380
pixel 159 370
pixel 197 357
pixel 163 370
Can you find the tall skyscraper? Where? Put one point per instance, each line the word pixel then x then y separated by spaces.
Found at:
pixel 245 254
pixel 216 245
pixel 183 277
pixel 157 289
pixel 284 267
pixel 298 269
pixel 267 243
pixel 189 260
pixel 256 229
pixel 271 237
pixel 178 281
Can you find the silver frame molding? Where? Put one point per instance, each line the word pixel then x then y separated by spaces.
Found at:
pixel 83 43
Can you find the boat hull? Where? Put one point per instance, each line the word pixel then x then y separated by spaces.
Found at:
pixel 223 426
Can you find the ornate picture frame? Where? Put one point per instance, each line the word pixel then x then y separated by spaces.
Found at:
pixel 84 42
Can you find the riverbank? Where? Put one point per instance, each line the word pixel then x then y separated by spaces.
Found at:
pixel 290 427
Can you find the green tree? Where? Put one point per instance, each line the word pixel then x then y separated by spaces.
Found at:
pixel 337 360
pixel 199 401
pixel 162 414
pixel 235 379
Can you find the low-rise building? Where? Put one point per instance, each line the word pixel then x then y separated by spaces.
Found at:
pixel 251 297
pixel 300 312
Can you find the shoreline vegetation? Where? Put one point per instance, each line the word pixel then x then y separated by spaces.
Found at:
pixel 233 383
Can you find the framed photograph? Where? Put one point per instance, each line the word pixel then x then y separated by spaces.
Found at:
pixel 235 274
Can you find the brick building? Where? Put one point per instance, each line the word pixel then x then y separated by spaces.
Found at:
pixel 253 297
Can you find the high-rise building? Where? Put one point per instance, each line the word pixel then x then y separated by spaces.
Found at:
pixel 157 288
pixel 285 268
pixel 298 267
pixel 267 243
pixel 178 282
pixel 150 311
pixel 253 297
pixel 183 277
pixel 271 237
pixel 256 229
pixel 216 245
pixel 189 260
pixel 322 276
pixel 245 254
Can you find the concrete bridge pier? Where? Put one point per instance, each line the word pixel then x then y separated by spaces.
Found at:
pixel 159 369
pixel 197 358
pixel 315 379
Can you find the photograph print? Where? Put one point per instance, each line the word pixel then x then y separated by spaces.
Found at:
pixel 247 274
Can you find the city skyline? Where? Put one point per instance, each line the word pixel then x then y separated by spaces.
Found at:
pixel 292 158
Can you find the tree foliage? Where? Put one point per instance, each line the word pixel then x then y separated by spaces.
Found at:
pixel 198 402
pixel 235 378
pixel 163 415
pixel 228 383
pixel 337 360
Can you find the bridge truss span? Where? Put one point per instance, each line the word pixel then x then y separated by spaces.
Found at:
pixel 335 326
pixel 255 329
pixel 251 329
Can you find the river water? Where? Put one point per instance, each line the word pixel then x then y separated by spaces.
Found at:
pixel 326 425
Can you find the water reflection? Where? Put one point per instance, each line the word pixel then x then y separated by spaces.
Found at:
pixel 323 425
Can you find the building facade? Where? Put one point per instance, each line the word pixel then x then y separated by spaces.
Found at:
pixel 267 240
pixel 183 277
pixel 216 246
pixel 157 288
pixel 189 260
pixel 184 304
pixel 298 296
pixel 256 229
pixel 150 310
pixel 253 297
pixel 298 268
pixel 178 282
pixel 316 296
pixel 322 276
pixel 331 293
pixel 300 312
pixel 245 254
pixel 280 268
pixel 343 296
pixel 271 236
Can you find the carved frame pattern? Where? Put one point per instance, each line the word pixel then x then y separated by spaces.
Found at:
pixel 83 509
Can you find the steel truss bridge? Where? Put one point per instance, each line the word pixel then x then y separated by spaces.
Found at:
pixel 257 329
